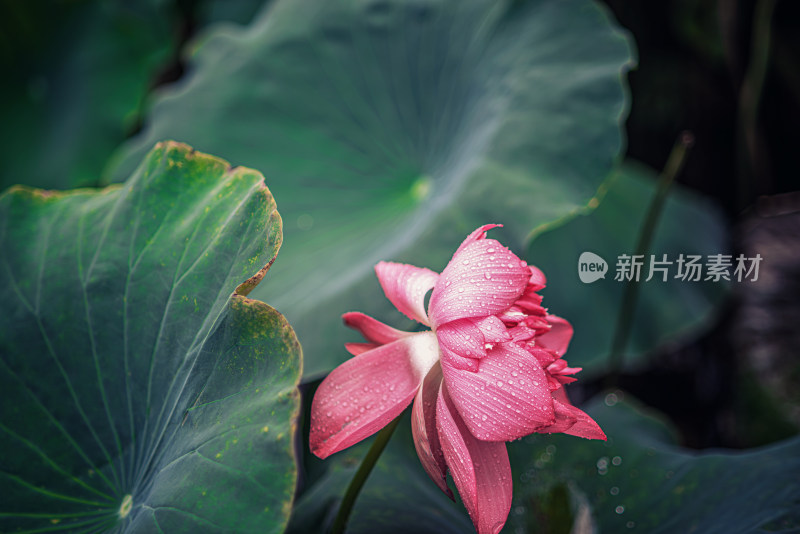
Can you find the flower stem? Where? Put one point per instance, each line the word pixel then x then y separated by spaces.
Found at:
pixel 361 476
pixel 675 163
pixel 753 165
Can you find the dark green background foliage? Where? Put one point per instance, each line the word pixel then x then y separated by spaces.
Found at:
pixel 133 362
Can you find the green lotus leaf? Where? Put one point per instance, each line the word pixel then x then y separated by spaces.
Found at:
pixel 142 390
pixel 641 481
pixel 689 225
pixel 389 130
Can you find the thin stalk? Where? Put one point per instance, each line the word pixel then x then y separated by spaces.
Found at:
pixel 361 476
pixel 675 163
pixel 753 166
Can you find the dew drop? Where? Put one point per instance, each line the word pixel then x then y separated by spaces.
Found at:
pixel 619 509
pixel 489 250
pixel 487 275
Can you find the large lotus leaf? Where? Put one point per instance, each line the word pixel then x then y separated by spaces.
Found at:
pixel 398 497
pixel 391 129
pixel 142 391
pixel 75 74
pixel 640 481
pixel 689 225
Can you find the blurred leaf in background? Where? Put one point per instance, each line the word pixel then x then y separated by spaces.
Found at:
pixel 77 73
pixel 142 389
pixel 76 76
pixel 389 130
pixel 641 481
pixel 689 225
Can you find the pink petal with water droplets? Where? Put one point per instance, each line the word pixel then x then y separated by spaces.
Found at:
pixel 372 329
pixel 543 356
pixel 477 235
pixel 558 337
pixel 494 330
pixel 406 286
pixel 457 361
pixel 423 428
pixel 359 348
pixel 559 367
pixel 480 469
pixel 366 392
pixel 509 397
pixel 521 333
pixel 537 280
pixel 571 420
pixel 585 426
pixel 483 278
pixel 462 337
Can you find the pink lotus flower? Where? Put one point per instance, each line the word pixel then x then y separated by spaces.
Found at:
pixel 488 371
